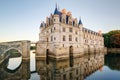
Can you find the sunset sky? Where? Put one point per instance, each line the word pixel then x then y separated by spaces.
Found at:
pixel 20 19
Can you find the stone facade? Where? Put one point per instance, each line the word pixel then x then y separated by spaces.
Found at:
pixel 63 35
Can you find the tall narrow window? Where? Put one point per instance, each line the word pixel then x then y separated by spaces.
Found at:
pixel 63 45
pixel 54 28
pixel 51 38
pixel 51 29
pixel 64 77
pixel 70 37
pixel 64 38
pixel 70 29
pixel 63 20
pixel 76 39
pixel 47 39
pixel 54 38
pixel 76 32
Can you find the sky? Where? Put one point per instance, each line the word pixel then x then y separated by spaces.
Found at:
pixel 20 19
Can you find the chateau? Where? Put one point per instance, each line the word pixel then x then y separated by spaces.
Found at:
pixel 63 36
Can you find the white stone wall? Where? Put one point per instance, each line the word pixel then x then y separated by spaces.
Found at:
pixel 51 37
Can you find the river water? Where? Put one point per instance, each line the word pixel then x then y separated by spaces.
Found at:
pixel 88 67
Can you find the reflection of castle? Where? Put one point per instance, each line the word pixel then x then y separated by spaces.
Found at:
pixel 62 32
pixel 61 70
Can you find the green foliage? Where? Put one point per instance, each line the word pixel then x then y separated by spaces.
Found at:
pixel 111 39
pixel 32 47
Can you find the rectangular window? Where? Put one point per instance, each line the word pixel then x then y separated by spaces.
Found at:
pixel 76 32
pixel 70 37
pixel 51 38
pixel 70 29
pixel 64 38
pixel 76 39
pixel 54 28
pixel 54 38
pixel 51 29
pixel 63 29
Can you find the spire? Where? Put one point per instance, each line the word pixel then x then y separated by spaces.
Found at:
pixel 56 10
pixel 80 22
pixel 56 5
pixel 41 25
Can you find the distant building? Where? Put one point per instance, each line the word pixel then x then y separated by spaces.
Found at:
pixel 62 36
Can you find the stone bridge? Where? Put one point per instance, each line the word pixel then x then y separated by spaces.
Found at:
pixel 22 47
pixel 20 73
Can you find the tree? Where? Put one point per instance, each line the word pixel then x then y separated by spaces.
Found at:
pixel 112 39
pixel 115 40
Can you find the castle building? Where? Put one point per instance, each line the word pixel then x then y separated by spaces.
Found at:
pixel 64 36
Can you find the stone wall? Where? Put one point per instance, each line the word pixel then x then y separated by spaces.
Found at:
pixel 113 50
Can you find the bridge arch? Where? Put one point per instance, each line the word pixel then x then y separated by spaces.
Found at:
pixel 13 55
pixel 21 46
pixel 12 49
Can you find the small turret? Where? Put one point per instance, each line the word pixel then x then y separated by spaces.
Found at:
pixel 80 22
pixel 80 25
pixel 56 15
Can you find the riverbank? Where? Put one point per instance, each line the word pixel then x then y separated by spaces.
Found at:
pixel 113 50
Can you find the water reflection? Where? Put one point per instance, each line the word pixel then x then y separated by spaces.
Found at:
pixel 14 63
pixel 62 70
pixel 20 73
pixel 113 61
pixel 87 67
